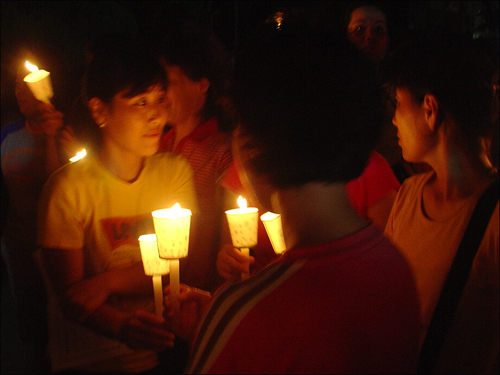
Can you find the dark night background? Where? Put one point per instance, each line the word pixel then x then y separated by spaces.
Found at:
pixel 61 28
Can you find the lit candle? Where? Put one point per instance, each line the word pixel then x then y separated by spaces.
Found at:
pixel 154 266
pixel 272 223
pixel 243 223
pixel 78 156
pixel 39 83
pixel 172 230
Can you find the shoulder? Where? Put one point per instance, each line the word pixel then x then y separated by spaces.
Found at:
pixel 79 173
pixel 11 128
pixel 167 166
pixel 167 159
pixel 414 184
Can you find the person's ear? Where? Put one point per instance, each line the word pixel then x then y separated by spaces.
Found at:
pixel 98 110
pixel 432 112
pixel 204 84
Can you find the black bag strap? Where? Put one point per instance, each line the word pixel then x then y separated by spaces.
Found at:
pixel 456 280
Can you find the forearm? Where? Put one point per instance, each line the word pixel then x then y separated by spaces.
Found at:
pixel 106 321
pixel 130 280
pixel 52 159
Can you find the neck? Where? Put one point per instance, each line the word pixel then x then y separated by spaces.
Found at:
pixel 125 166
pixel 459 174
pixel 317 213
pixel 183 129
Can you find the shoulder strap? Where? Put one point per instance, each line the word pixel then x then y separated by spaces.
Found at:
pixel 456 280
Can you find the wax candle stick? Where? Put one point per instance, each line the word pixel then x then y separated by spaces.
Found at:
pixel 153 266
pixel 172 227
pixel 175 288
pixel 157 286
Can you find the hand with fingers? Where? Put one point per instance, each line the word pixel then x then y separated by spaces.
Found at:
pixel 142 330
pixel 231 263
pixel 42 118
pixel 192 302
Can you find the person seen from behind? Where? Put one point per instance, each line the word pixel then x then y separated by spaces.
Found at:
pixel 341 299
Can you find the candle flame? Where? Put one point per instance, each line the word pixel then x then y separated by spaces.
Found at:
pixel 176 206
pixel 31 67
pixel 242 202
pixel 78 155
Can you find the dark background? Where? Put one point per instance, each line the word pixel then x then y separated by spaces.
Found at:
pixel 62 28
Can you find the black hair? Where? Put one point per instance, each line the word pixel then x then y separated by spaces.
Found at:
pixel 201 54
pixel 309 103
pixel 120 63
pixel 115 63
pixel 456 70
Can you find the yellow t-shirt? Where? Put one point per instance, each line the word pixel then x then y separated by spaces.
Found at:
pixel 84 206
pixel 430 247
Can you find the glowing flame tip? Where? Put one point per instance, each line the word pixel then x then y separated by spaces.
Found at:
pixel 242 202
pixel 31 67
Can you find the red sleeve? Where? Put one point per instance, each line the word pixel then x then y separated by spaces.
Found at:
pixel 375 183
pixel 231 180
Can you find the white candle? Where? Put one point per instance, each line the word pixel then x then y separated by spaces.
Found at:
pixel 243 227
pixel 172 227
pixel 174 288
pixel 272 223
pixel 172 230
pixel 39 83
pixel 154 266
pixel 158 295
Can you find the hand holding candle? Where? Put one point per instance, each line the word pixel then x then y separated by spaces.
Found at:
pixel 154 266
pixel 243 226
pixel 172 227
pixel 39 83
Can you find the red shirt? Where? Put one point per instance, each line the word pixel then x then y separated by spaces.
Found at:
pixel 349 306
pixel 376 182
pixel 208 151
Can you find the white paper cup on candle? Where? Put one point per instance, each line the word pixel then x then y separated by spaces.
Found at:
pixel 272 223
pixel 243 226
pixel 172 227
pixel 40 84
pixel 153 264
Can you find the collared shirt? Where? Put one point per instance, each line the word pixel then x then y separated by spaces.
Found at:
pixel 208 151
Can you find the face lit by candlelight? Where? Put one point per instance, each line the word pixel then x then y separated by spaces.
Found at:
pixel 184 98
pixel 132 125
pixel 414 134
pixel 368 31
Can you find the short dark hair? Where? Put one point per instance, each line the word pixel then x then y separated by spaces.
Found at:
pixel 456 70
pixel 117 62
pixel 120 63
pixel 199 53
pixel 309 101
